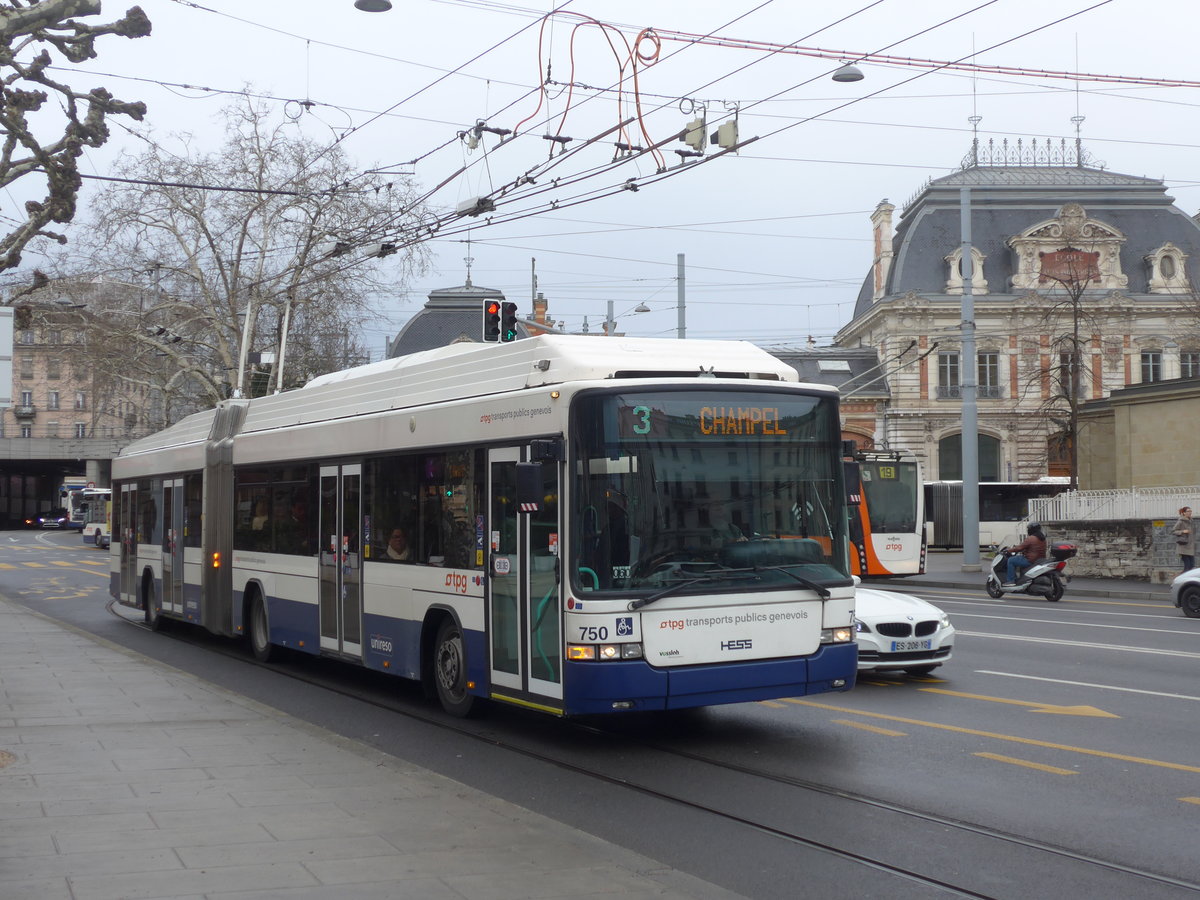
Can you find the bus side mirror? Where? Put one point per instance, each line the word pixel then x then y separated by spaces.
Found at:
pixel 529 487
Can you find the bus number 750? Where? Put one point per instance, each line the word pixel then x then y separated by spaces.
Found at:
pixel 593 633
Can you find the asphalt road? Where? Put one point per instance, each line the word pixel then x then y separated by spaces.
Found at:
pixel 1067 725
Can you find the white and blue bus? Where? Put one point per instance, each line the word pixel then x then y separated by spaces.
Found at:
pixel 97 509
pixel 571 524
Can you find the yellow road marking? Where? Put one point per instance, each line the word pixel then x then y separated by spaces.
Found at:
pixel 1086 751
pixel 34 565
pixel 8 566
pixel 1033 706
pixel 1053 770
pixel 772 704
pixel 874 729
pixel 1195 800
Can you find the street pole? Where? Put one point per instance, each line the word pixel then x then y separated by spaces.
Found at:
pixel 680 295
pixel 287 318
pixel 970 413
pixel 244 350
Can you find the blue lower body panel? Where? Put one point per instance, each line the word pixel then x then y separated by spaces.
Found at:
pixel 593 687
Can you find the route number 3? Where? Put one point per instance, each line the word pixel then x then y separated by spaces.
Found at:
pixel 642 413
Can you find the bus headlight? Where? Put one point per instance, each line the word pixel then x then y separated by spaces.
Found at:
pixel 842 635
pixel 603 652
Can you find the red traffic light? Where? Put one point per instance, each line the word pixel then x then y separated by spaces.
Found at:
pixel 491 320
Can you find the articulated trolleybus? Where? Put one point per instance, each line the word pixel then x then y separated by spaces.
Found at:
pixel 571 524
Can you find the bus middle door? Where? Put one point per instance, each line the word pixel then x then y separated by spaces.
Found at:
pixel 339 538
pixel 172 547
pixel 127 516
pixel 524 606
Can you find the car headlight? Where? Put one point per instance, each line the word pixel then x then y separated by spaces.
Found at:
pixel 945 623
pixel 861 626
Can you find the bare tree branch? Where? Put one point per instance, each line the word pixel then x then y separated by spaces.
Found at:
pixel 27 34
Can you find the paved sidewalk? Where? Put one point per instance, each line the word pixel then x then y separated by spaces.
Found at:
pixel 121 777
pixel 944 569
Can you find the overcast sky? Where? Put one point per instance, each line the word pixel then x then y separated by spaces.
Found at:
pixel 776 237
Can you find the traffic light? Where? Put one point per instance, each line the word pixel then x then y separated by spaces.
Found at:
pixel 693 134
pixel 491 320
pixel 508 321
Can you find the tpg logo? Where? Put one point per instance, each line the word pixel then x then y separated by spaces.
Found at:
pixel 457 582
pixel 743 644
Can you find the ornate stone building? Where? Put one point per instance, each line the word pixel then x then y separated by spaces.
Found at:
pixel 1081 285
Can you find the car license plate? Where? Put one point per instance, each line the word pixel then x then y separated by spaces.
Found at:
pixel 902 646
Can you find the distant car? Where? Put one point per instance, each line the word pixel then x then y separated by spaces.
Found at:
pixel 900 632
pixel 57 518
pixel 1185 592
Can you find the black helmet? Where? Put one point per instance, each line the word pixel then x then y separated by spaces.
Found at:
pixel 1034 527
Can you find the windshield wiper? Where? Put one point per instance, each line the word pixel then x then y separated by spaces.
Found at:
pixel 821 590
pixel 729 575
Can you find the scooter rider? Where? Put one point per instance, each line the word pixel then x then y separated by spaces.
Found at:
pixel 1026 553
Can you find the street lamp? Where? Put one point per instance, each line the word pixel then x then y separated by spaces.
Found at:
pixel 372 5
pixel 847 73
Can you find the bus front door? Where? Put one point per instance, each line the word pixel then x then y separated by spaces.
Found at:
pixel 523 571
pixel 128 538
pixel 172 547
pixel 339 538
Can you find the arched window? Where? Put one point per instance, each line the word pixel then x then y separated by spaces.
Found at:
pixel 950 458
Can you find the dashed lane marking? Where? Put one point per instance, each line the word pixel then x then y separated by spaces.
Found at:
pixel 1016 739
pixel 1012 760
pixel 874 729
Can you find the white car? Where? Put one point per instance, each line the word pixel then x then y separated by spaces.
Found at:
pixel 1185 592
pixel 900 631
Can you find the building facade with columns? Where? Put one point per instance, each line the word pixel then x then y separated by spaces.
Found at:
pixel 1082 284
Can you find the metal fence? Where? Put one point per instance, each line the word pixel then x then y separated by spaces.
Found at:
pixel 1133 503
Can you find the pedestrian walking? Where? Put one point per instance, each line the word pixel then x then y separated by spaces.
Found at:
pixel 1185 538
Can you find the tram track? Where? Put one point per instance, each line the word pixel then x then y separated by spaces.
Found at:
pixel 908 818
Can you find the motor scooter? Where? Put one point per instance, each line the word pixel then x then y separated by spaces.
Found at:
pixel 1044 578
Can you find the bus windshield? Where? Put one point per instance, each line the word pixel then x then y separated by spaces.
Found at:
pixel 727 488
pixel 891 488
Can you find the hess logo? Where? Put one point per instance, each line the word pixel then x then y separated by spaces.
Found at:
pixel 743 644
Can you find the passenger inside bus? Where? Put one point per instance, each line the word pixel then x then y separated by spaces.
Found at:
pixel 261 516
pixel 398 549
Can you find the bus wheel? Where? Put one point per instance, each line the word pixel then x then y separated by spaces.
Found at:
pixel 450 670
pixel 154 619
pixel 260 629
